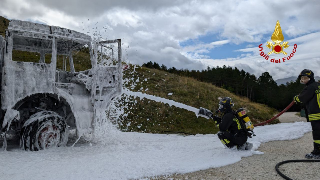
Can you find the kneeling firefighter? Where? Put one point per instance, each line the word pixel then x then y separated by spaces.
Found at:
pixel 233 132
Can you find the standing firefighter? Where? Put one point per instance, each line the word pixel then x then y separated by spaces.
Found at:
pixel 310 97
pixel 235 126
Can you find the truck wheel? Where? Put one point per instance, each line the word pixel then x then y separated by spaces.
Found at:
pixel 44 130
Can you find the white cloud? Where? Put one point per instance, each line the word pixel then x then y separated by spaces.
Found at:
pixel 202 47
pixel 251 49
pixel 124 17
pixel 144 35
pixel 217 43
pixel 294 31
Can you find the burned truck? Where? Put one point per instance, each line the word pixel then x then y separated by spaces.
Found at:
pixel 54 80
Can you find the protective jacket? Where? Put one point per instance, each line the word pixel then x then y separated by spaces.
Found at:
pixel 230 123
pixel 310 97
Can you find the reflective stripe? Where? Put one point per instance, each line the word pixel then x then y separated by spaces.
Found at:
pixel 314 117
pixel 225 141
pixel 318 99
pixel 317 141
pixel 237 120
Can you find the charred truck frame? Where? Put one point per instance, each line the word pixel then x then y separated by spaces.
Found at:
pixel 40 101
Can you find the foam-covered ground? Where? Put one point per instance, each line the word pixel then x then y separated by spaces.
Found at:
pixel 136 155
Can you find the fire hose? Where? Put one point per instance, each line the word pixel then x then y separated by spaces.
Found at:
pixel 286 109
pixel 288 161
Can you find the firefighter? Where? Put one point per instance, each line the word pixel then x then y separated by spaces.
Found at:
pixel 310 97
pixel 231 134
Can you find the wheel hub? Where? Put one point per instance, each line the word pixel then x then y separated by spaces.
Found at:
pixel 49 136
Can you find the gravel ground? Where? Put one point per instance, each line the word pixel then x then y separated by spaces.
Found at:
pixel 262 167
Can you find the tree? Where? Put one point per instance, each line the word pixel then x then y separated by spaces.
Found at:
pixel 267 89
pixel 163 67
pixel 172 70
pixel 148 65
pixel 156 65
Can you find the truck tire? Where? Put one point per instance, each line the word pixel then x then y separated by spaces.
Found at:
pixel 43 130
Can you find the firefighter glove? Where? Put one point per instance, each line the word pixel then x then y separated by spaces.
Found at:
pixel 296 99
pixel 216 119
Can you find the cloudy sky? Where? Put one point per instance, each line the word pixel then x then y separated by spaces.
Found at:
pixel 190 34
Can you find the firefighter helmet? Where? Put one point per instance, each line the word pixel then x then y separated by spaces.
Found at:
pixel 306 72
pixel 225 104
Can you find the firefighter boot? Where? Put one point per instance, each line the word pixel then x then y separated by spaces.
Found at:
pixel 315 154
pixel 245 146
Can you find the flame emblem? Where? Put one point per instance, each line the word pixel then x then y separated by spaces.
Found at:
pixel 277 38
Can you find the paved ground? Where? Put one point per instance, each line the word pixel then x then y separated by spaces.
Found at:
pixel 262 167
pixel 290 117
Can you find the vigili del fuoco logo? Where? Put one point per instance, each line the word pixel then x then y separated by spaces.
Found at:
pixel 277 46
